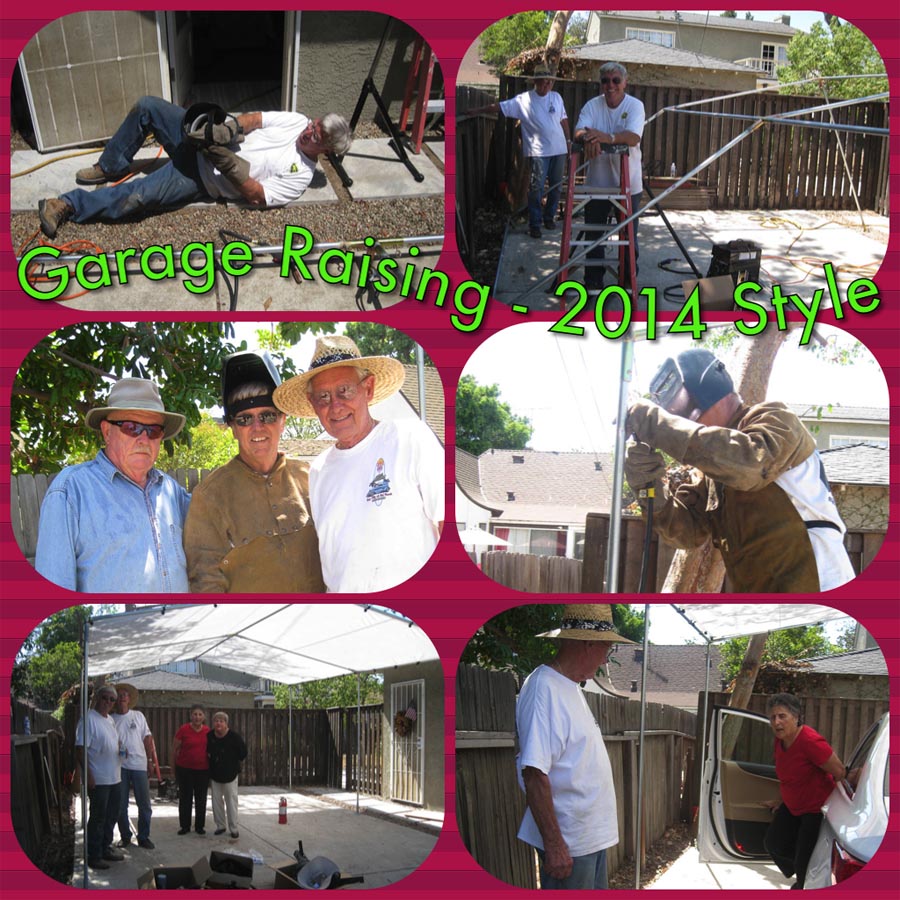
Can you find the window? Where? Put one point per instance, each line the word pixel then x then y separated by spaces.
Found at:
pixel 536 541
pixel 773 55
pixel 845 440
pixel 663 38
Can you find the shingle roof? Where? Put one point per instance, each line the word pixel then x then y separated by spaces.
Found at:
pixel 434 397
pixel 841 413
pixel 304 448
pixel 857 662
pixel 467 479
pixel 702 19
pixel 632 52
pixel 678 668
pixel 547 486
pixel 175 681
pixel 856 464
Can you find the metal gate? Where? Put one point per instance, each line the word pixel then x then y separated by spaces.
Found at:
pixel 408 741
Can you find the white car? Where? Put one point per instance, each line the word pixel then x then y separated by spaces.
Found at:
pixel 739 777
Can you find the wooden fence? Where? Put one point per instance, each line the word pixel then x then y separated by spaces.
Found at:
pixel 778 167
pixel 490 804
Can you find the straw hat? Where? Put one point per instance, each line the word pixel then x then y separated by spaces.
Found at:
pixel 135 395
pixel 133 693
pixel 587 622
pixel 331 351
pixel 542 71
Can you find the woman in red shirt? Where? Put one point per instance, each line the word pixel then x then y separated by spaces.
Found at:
pixel 806 767
pixel 192 770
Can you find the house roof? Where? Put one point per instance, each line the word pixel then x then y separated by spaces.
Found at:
pixel 668 17
pixel 635 52
pixel 304 448
pixel 540 486
pixel 840 413
pixel 159 680
pixel 434 396
pixel 671 668
pixel 467 479
pixel 857 464
pixel 857 662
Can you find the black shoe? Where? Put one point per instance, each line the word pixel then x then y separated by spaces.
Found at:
pixel 125 841
pixel 200 830
pixel 549 225
pixel 235 834
pixel 183 830
pixel 97 864
pixel 147 844
pixel 219 831
pixel 532 232
pixel 112 855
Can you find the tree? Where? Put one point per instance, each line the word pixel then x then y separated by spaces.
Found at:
pixel 53 672
pixel 507 38
pixel 330 692
pixel 374 339
pixel 789 644
pixel 508 641
pixel 833 48
pixel 72 369
pixel 484 422
pixel 728 14
pixel 211 445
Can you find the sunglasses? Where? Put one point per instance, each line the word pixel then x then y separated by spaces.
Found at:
pixel 614 80
pixel 135 429
pixel 269 417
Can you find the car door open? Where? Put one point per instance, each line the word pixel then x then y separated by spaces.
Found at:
pixel 738 779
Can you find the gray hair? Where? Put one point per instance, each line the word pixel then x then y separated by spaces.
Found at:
pixel 609 67
pixel 221 715
pixel 248 391
pixel 788 701
pixel 337 134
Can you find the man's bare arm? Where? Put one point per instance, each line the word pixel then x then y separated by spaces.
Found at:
pixel 538 796
pixel 250 121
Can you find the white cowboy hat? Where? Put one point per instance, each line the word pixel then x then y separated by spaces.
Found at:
pixel 135 395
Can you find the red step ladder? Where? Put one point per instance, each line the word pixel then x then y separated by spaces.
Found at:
pixel 418 86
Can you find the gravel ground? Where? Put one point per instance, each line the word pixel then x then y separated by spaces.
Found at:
pixel 659 857
pixel 328 222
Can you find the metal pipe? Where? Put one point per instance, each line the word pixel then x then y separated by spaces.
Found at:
pixel 615 513
pixel 640 790
pixel 358 759
pixel 840 144
pixel 420 372
pixel 84 769
pixel 785 119
pixel 701 753
pixel 290 739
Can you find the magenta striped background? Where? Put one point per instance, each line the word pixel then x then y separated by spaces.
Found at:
pixel 449 598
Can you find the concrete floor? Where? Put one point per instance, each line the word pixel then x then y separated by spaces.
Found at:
pixel 795 245
pixel 385 843
pixel 688 873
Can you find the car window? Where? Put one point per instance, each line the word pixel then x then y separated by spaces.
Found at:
pixel 859 758
pixel 753 741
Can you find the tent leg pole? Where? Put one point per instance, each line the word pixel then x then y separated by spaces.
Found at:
pixel 290 741
pixel 84 773
pixel 640 790
pixel 357 735
pixel 615 515
pixel 701 751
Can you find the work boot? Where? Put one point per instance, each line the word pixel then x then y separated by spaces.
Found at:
pixel 53 212
pixel 97 864
pixel 95 175
pixel 112 855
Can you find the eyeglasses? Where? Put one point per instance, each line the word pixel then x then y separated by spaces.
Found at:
pixel 135 429
pixel 315 132
pixel 344 392
pixel 269 417
pixel 614 80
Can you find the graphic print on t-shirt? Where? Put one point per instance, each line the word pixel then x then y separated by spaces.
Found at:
pixel 380 485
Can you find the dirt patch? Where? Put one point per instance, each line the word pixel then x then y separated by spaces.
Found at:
pixel 659 857
pixel 57 856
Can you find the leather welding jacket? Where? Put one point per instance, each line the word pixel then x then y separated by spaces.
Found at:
pixel 253 533
pixel 733 497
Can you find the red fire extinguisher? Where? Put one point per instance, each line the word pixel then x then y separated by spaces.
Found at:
pixel 282 811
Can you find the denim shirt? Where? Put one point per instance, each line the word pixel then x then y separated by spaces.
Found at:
pixel 101 533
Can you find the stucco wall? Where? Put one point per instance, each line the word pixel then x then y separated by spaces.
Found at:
pixel 822 430
pixel 863 508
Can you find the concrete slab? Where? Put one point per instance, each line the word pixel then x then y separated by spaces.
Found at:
pixel 376 847
pixel 688 873
pixel 378 173
pixel 795 246
pixel 59 176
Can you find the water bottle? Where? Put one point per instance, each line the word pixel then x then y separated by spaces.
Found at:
pixel 673 171
pixel 161 882
pixel 27 725
pixel 123 754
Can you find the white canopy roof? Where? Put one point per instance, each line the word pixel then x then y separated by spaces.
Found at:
pixel 720 621
pixel 290 643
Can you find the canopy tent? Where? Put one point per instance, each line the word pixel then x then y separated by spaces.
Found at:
pixel 478 537
pixel 287 642
pixel 718 622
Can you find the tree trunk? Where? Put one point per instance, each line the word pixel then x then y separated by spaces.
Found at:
pixel 556 38
pixel 743 688
pixel 701 571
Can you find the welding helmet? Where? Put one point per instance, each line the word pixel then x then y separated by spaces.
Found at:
pixel 690 384
pixel 248 368
pixel 205 124
pixel 317 874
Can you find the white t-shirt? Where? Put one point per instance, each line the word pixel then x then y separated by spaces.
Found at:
pixel 132 728
pixel 808 489
pixel 102 747
pixel 376 506
pixel 539 118
pixel 603 170
pixel 275 162
pixel 559 736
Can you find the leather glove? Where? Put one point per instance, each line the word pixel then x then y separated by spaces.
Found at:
pixel 643 464
pixel 235 169
pixel 653 425
pixel 222 134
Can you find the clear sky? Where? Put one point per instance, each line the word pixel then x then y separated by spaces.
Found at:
pixel 568 386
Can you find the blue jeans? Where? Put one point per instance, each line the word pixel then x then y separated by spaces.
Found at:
pixel 136 778
pixel 104 809
pixel 600 212
pixel 175 184
pixel 544 169
pixel 588 874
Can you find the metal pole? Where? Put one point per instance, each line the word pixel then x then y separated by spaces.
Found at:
pixel 290 739
pixel 701 751
pixel 420 372
pixel 615 514
pixel 84 773
pixel 840 144
pixel 640 790
pixel 357 740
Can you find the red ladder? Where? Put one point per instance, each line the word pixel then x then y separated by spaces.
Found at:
pixel 418 85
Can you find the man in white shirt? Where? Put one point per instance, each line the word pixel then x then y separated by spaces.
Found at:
pixel 612 118
pixel 140 752
pixel 563 765
pixel 545 143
